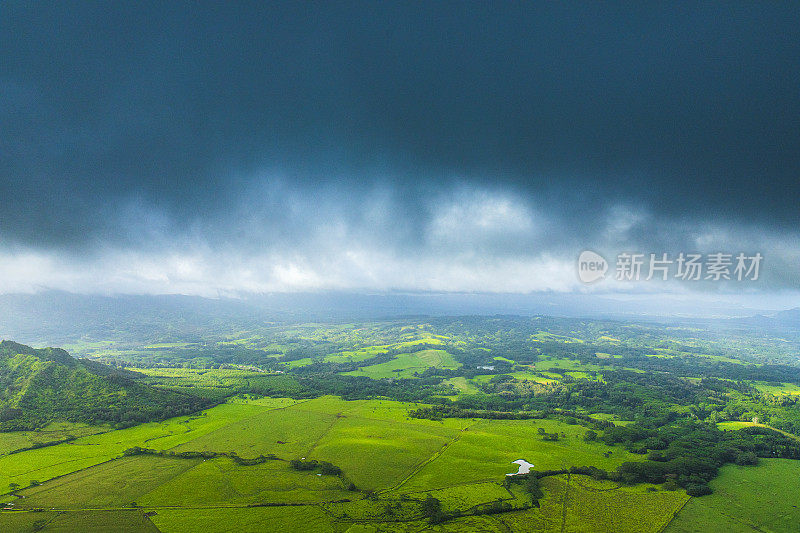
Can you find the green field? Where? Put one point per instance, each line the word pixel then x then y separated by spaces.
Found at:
pixel 746 499
pixel 407 365
pixel 581 504
pixel 288 433
pixel 53 432
pixel 462 462
pixel 46 463
pixel 118 521
pixel 212 383
pixel 463 385
pixel 116 483
pixel 361 451
pixel 778 390
pixel 222 482
pixel 309 519
pixel 485 451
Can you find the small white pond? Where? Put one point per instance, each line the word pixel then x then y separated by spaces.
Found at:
pixel 524 467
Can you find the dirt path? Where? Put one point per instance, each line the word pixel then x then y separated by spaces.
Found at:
pixel 564 504
pixel 328 429
pixel 427 461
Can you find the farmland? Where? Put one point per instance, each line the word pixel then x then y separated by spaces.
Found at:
pixel 377 446
pixel 744 500
pixel 412 426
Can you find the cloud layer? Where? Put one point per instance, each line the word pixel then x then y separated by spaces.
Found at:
pixel 213 149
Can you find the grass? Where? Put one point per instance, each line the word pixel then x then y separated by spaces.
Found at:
pixel 288 433
pixel 54 432
pixel 375 454
pixel 548 363
pixel 132 521
pixel 579 503
pixel 213 383
pixel 116 483
pixel 46 463
pixel 735 425
pixel 746 499
pixel 349 356
pixel 223 482
pixel 407 365
pixel 468 496
pixel 785 389
pixel 462 462
pixel 463 385
pixel 309 519
pixel 486 450
pixel 389 410
pixel 377 511
pixel 530 376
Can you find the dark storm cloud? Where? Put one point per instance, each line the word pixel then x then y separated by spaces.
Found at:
pixel 294 127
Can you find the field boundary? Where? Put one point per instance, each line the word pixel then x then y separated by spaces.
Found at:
pixel 427 461
pixel 674 515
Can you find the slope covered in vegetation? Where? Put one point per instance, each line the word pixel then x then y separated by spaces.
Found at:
pixel 38 386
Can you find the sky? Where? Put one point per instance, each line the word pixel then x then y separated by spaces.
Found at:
pixel 228 148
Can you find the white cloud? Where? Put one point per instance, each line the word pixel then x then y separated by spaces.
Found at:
pixel 466 240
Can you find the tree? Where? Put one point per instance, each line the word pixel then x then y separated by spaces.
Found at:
pixel 590 435
pixel 432 509
pixel 533 488
pixel 431 506
pixel 698 489
pixel 746 458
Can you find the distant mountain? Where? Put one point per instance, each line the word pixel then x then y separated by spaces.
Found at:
pixel 789 319
pixel 38 386
pixel 61 318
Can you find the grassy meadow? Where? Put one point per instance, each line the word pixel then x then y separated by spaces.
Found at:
pixel 393 461
pixel 744 501
pixel 346 455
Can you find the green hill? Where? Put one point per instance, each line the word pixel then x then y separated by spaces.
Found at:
pixel 38 386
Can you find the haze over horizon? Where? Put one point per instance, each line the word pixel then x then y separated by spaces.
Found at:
pixel 454 147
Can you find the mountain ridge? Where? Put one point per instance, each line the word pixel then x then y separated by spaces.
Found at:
pixel 38 386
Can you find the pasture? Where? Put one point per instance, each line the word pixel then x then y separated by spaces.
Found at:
pixel 221 482
pixel 53 432
pixel 309 519
pixel 118 521
pixel 744 501
pixel 113 484
pixel 460 462
pixel 485 451
pixel 777 389
pixel 49 462
pixel 407 365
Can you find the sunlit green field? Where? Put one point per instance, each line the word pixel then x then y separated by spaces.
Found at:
pixel 378 446
pixel 117 483
pixel 407 365
pixel 778 390
pixel 309 519
pixel 220 482
pixel 581 504
pixel 117 521
pixel 54 432
pixel 213 383
pixel 247 464
pixel 46 463
pixel 746 499
pixel 485 451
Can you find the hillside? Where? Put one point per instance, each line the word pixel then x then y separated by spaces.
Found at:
pixel 38 386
